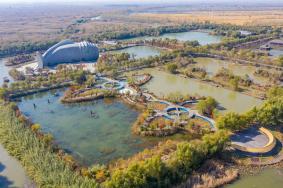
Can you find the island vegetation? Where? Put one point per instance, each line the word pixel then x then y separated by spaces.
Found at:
pixel 196 160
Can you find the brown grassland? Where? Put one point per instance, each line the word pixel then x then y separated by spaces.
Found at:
pixel 258 18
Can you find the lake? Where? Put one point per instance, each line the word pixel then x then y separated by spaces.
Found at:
pixel 212 66
pixel 4 71
pixel 271 177
pixel 164 83
pixel 90 140
pixel 203 38
pixel 140 51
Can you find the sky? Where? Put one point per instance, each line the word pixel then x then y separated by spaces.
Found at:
pixel 137 1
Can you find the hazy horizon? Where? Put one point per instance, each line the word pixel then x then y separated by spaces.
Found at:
pixel 139 1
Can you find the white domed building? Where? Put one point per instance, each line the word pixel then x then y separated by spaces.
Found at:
pixel 68 51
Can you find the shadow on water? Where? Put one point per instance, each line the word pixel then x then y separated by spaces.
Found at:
pixel 4 181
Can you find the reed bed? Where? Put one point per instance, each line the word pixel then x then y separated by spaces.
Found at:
pixel 43 165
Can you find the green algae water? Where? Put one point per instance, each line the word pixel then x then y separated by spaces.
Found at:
pixel 140 51
pixel 203 38
pixel 99 139
pixel 164 83
pixel 272 178
pixel 212 66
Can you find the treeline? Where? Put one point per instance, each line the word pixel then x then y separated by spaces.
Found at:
pixel 25 48
pixel 270 113
pixel 227 30
pixel 155 171
pixel 155 31
pixel 63 74
pixel 234 31
pixel 19 59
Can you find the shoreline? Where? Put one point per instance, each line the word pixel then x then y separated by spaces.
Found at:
pixel 216 84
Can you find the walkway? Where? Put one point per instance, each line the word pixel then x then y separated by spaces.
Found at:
pixel 123 88
pixel 275 159
pixel 191 113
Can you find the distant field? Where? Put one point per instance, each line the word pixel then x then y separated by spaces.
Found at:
pixel 36 23
pixel 40 23
pixel 269 17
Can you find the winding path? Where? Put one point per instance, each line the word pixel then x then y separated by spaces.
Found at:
pixel 192 113
pixel 122 88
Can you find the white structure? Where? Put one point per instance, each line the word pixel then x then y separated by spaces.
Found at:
pixel 68 51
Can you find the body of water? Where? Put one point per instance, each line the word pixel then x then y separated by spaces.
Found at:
pixel 4 71
pixel 99 139
pixel 164 83
pixel 212 66
pixel 272 178
pixel 203 38
pixel 140 51
pixel 275 52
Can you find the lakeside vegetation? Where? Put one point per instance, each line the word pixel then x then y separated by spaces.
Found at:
pixel 64 76
pixel 19 59
pixel 170 163
pixel 158 168
pixel 41 161
pixel 177 166
pixel 79 94
pixel 151 124
pixel 270 113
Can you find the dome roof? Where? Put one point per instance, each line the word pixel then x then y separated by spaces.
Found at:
pixel 68 51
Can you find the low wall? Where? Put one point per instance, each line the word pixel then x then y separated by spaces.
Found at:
pixel 268 147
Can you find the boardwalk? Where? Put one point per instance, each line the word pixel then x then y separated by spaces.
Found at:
pixel 179 109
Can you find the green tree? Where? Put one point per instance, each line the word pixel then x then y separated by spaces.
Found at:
pixel 280 61
pixel 3 93
pixel 80 77
pixel 207 106
pixel 271 112
pixel 232 121
pixel 276 91
pixel 234 82
pixel 172 67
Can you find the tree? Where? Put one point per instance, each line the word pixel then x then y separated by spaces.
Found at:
pixel 271 112
pixel 80 77
pixel 90 81
pixel 234 82
pixel 3 93
pixel 276 91
pixel 172 67
pixel 207 106
pixel 35 127
pixel 280 61
pixel 232 121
